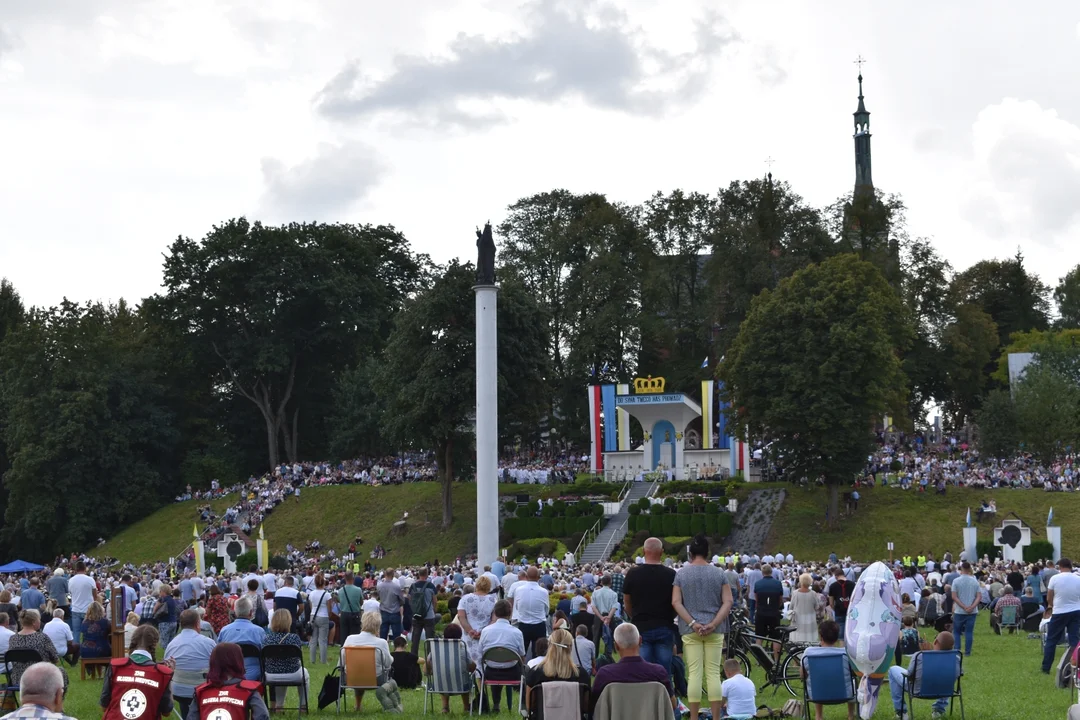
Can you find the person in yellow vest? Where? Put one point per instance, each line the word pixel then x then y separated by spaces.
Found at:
pixel 922 561
pixel 907 561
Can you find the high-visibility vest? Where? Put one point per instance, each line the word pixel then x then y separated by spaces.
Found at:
pixel 136 690
pixel 922 561
pixel 907 560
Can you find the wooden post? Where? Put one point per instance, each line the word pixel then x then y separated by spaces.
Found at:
pixel 118 618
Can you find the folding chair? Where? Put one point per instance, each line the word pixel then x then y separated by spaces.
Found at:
pixel 252 651
pixel 10 689
pixel 534 701
pixel 935 674
pixel 498 654
pixel 829 681
pixel 649 699
pixel 190 678
pixel 285 652
pixel 448 670
pixel 360 671
pixel 1010 618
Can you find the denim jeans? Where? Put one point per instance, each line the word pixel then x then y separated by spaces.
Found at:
pixel 897 681
pixel 841 620
pixel 751 606
pixel 391 623
pixel 1060 623
pixel 656 647
pixel 76 625
pixel 964 624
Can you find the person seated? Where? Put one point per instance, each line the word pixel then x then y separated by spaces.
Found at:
pixel 740 695
pixel 387 692
pixel 280 633
pixel 907 607
pixel 96 634
pixel 558 665
pixel 41 688
pixel 504 635
pixel 631 668
pixel 1007 599
pixel 242 631
pixel 226 687
pixel 139 671
pixel 585 649
pixel 405 669
pixel 454 632
pixel 540 647
pixel 1031 611
pixel 909 639
pixel 898 677
pixel 189 652
pixel 63 641
pixel 829 633
pixel 130 627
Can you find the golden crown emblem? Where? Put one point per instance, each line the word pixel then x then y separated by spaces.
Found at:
pixel 649 385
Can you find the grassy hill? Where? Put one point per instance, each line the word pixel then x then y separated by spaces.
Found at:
pixel 912 521
pixel 333 516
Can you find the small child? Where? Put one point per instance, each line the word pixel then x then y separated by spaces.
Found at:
pixel 909 637
pixel 740 697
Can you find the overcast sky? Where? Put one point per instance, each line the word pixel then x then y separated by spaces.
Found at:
pixel 124 123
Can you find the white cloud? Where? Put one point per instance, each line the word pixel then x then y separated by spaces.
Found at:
pixel 322 187
pixel 1028 164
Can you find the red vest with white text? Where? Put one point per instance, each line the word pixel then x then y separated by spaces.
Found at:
pixel 225 702
pixel 136 690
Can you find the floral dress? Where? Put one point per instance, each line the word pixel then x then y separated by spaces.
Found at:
pixel 477 609
pixel 217 612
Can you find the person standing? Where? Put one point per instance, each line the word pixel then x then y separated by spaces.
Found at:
pixel 531 607
pixel 965 596
pixel 57 588
pixel 1063 602
pixel 647 594
pixel 422 599
pixel 351 602
pixel 840 592
pixel 391 605
pixel 83 591
pixel 805 604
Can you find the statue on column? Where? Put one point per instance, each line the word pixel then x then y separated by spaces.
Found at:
pixel 485 256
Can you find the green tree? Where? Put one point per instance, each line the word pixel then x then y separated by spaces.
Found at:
pixel 996 419
pixel 427 380
pixel 873 226
pixel 816 362
pixel 924 289
pixel 1067 297
pixel 88 429
pixel 762 233
pixel 1007 292
pixel 281 310
pixel 969 342
pixel 1047 412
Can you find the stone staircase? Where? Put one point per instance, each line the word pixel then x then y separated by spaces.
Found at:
pixel 613 531
pixel 754 520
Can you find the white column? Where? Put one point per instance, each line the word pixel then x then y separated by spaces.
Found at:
pixel 969 543
pixel 487 425
pixel 1053 534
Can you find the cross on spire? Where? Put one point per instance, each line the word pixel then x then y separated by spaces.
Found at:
pixel 860 61
pixel 769 161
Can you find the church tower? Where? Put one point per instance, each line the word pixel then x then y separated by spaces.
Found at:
pixel 864 183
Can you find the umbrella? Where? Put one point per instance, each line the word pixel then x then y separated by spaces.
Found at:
pixel 17 566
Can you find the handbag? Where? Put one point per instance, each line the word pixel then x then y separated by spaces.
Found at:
pixel 309 628
pixel 792 708
pixel 331 689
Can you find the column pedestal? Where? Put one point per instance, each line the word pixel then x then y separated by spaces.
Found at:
pixel 970 534
pixel 1053 534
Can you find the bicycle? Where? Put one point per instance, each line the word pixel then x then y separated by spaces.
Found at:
pixel 742 645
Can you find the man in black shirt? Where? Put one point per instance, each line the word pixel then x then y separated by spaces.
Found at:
pixel 840 597
pixel 647 601
pixel 769 597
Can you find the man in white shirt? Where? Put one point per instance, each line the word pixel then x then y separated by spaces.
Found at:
pixel 5 636
pixel 371 604
pixel 531 608
pixel 522 578
pixel 62 638
pixel 502 634
pixel 198 588
pixel 270 582
pixel 1063 599
pixel 83 591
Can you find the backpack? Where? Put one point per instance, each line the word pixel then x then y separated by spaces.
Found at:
pixel 845 598
pixel 262 618
pixel 418 598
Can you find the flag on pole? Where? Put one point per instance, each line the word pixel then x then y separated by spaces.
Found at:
pixel 1050 517
pixel 705 362
pixel 969 517
pixel 195 531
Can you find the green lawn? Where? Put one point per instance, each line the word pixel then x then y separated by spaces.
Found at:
pixel 332 515
pixel 914 522
pixel 1001 682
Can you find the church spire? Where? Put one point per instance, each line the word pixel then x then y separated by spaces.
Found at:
pixel 863 180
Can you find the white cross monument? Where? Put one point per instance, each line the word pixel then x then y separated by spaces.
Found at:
pixel 1012 536
pixel 229 548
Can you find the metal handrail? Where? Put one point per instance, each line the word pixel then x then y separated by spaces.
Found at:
pixel 590 535
pixel 625 491
pixel 607 548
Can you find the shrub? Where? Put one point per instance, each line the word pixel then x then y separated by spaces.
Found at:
pixel 712 523
pixel 573 541
pixel 598 511
pixel 699 501
pixel 644 503
pixel 510 507
pixel 723 525
pixel 246 560
pixel 279 562
pixel 543 527
pixel 671 524
pixel 1039 550
pixel 547 511
pixel 670 502
pixel 524 512
pixel 986 547
pixel 558 527
pixel 697 524
pixel 657 509
pixel 560 506
pixel 441 607
pixel 685 508
pixel 683 523
pixel 634 510
pixel 656 525
pixel 712 508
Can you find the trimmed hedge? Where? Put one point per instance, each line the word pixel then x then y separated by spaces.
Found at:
pixel 697 525
pixel 683 524
pixel 1039 550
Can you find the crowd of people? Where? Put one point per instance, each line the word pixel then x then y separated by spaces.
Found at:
pixel 663 619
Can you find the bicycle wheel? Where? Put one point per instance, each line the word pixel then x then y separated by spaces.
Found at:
pixel 791 675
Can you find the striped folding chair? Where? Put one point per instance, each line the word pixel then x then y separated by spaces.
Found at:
pixel 447 670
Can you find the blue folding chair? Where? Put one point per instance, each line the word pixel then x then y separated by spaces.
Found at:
pixel 933 675
pixel 829 681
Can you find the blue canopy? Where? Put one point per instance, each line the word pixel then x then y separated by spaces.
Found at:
pixel 20 566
